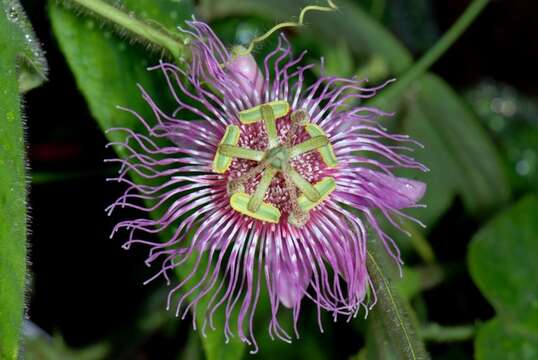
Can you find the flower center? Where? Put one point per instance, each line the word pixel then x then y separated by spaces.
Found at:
pixel 278 156
pixel 274 170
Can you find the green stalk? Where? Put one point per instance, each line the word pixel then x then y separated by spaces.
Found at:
pixel 444 334
pixel 159 37
pixel 446 41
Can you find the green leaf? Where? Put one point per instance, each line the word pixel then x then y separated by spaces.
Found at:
pixel 479 175
pixel 393 320
pixel 502 262
pixel 107 70
pixel 497 340
pixel 417 279
pixel 17 46
pixel 441 187
pixel 459 153
pixel 44 348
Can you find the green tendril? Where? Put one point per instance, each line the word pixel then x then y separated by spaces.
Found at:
pixel 290 24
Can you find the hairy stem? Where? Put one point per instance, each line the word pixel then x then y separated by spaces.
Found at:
pixel 125 20
pixel 392 314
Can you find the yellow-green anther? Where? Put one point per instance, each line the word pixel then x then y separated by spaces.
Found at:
pixel 316 142
pixel 266 212
pixel 240 153
pixel 303 185
pixel 221 162
pixel 298 218
pixel 269 119
pixel 234 186
pixel 326 152
pixel 280 108
pixel 300 117
pixel 257 198
pixel 325 187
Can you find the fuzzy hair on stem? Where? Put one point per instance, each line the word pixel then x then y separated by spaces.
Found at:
pixel 127 24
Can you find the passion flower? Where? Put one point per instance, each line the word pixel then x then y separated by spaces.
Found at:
pixel 275 183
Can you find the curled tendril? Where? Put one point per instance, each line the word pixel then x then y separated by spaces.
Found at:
pixel 331 7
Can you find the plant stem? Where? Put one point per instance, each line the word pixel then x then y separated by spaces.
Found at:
pixel 173 43
pixel 441 334
pixel 446 41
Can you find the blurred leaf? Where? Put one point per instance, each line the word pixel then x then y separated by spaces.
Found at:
pixel 55 348
pixel 312 344
pixel 417 279
pixel 497 340
pixel 441 183
pixel 502 262
pixel 42 346
pixel 213 342
pixel 479 175
pixel 338 60
pixel 107 70
pixel 396 334
pixel 375 70
pixel 192 349
pixel 17 45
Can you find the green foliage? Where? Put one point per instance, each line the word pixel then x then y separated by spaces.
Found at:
pixel 502 261
pixel 459 153
pixel 18 50
pixel 53 349
pixel 441 116
pixel 106 68
pixel 107 71
pixel 393 322
pixel 498 340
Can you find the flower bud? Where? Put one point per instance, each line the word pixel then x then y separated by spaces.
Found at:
pixel 245 70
